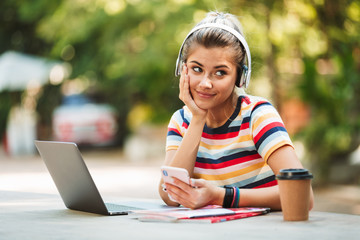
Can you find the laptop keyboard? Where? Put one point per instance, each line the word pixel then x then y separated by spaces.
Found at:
pixel 119 208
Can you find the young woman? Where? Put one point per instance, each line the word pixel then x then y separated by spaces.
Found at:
pixel 232 144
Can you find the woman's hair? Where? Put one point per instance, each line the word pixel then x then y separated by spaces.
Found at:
pixel 217 37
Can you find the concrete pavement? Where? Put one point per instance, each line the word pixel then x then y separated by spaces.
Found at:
pixel 112 173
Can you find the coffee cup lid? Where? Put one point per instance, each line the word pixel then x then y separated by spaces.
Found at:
pixel 294 174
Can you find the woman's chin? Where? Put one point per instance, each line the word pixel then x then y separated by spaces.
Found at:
pixel 202 105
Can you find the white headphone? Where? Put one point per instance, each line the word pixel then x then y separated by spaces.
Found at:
pixel 245 77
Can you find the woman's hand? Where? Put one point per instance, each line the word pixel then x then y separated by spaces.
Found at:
pixel 199 194
pixel 185 94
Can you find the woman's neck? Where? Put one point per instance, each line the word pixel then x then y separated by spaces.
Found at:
pixel 218 116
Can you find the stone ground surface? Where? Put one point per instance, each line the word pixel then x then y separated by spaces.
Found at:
pixel 119 176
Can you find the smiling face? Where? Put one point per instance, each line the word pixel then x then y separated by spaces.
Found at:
pixel 212 73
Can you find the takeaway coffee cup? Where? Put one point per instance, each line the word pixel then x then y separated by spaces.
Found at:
pixel 294 187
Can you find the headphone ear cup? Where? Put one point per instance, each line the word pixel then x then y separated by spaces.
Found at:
pixel 239 78
pixel 242 77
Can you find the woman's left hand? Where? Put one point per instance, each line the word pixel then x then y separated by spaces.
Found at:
pixel 199 194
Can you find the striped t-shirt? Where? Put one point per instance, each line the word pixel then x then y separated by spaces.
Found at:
pixel 236 153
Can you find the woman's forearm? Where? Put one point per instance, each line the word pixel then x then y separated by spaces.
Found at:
pixel 185 155
pixel 260 197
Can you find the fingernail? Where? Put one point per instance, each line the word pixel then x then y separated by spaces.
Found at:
pixel 192 182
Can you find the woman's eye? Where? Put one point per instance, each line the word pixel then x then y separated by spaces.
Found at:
pixel 197 69
pixel 220 73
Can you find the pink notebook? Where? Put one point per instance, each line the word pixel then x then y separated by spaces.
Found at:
pixel 208 214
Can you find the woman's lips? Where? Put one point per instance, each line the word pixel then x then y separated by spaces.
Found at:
pixel 205 95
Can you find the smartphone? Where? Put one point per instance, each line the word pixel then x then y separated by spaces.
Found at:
pixel 180 173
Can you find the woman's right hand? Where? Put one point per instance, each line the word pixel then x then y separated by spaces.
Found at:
pixel 185 94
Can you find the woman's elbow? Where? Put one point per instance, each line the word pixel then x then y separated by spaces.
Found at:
pixel 168 202
pixel 164 196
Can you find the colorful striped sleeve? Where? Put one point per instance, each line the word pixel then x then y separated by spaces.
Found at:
pixel 268 130
pixel 175 131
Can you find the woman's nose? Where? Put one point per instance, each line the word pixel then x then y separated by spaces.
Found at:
pixel 206 82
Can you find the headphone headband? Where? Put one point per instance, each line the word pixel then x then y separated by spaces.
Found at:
pixel 247 72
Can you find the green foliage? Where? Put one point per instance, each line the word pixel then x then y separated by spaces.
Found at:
pixel 331 86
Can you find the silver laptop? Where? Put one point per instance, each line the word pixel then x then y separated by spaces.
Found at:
pixel 73 180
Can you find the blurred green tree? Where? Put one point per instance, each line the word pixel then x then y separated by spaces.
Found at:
pixel 331 86
pixel 311 51
pixel 125 49
pixel 18 23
